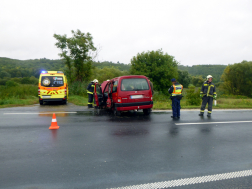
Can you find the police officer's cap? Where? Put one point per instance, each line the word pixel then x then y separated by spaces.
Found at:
pixel 173 80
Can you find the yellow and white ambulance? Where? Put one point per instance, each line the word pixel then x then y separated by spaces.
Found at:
pixel 52 86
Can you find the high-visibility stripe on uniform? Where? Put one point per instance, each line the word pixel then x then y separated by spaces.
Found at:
pixel 89 92
pixel 177 90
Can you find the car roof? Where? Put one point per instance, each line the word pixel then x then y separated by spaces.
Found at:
pixel 130 76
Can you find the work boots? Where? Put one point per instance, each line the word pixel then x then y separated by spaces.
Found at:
pixel 201 114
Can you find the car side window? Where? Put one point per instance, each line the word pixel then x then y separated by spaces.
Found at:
pixel 98 89
pixel 115 86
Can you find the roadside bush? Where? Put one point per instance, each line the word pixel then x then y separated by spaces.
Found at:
pixel 11 83
pixel 34 80
pixel 25 80
pixel 20 92
pixel 193 96
pixel 17 80
pixel 3 81
pixel 161 97
pixel 78 88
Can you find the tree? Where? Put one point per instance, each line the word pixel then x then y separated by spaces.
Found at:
pixel 156 65
pixel 197 81
pixel 183 78
pixel 4 74
pixel 237 78
pixel 107 73
pixel 76 51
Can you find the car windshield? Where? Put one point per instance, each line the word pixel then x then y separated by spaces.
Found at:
pixel 52 81
pixel 134 84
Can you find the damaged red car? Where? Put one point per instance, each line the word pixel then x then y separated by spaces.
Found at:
pixel 124 93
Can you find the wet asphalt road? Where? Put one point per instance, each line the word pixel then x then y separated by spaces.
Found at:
pixel 92 150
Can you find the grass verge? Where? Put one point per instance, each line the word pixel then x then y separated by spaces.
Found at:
pixel 78 100
pixel 12 102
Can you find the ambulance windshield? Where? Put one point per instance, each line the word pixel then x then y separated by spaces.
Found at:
pixel 52 81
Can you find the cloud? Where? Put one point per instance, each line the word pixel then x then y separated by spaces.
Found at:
pixel 194 32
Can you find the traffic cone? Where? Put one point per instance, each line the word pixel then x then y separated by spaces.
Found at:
pixel 54 124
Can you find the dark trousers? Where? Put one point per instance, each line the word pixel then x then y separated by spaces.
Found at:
pixel 205 100
pixel 175 107
pixel 90 100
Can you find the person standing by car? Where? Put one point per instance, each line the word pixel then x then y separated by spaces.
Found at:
pixel 207 93
pixel 90 91
pixel 176 95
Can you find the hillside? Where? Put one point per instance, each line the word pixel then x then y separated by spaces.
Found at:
pixel 204 70
pixel 28 68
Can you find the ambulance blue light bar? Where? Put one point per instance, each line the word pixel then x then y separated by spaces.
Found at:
pixel 44 72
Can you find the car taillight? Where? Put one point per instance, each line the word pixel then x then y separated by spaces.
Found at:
pixel 119 99
pixel 151 98
pixel 39 91
pixel 65 91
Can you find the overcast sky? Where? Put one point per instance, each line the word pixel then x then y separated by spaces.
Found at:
pixel 193 31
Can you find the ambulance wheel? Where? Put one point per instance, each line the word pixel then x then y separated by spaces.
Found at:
pixel 41 102
pixel 116 113
pixel 64 102
pixel 147 111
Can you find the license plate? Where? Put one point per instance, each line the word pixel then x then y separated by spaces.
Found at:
pixel 136 96
pixel 46 96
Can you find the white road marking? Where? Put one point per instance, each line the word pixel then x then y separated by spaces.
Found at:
pixel 197 110
pixel 40 113
pixel 206 123
pixel 189 181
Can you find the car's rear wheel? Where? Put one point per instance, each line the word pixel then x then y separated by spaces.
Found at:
pixel 41 102
pixel 147 111
pixel 116 112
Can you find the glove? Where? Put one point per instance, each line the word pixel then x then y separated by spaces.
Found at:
pixel 201 95
pixel 214 97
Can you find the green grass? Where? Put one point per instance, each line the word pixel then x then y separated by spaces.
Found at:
pixel 78 100
pixel 12 102
pixel 23 95
pixel 18 92
pixel 163 102
pixel 20 95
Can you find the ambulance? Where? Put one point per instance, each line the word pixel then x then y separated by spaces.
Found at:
pixel 52 86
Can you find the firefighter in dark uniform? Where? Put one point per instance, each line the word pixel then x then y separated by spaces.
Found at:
pixel 207 93
pixel 90 91
pixel 176 95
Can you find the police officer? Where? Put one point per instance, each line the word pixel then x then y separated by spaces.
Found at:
pixel 176 95
pixel 90 91
pixel 207 93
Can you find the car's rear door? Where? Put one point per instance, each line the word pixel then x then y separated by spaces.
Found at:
pixel 135 90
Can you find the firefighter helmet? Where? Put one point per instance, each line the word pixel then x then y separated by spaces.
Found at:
pixel 95 81
pixel 209 76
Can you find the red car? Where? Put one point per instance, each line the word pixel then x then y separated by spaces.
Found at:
pixel 124 93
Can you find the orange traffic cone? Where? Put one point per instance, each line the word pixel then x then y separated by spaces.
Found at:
pixel 54 124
